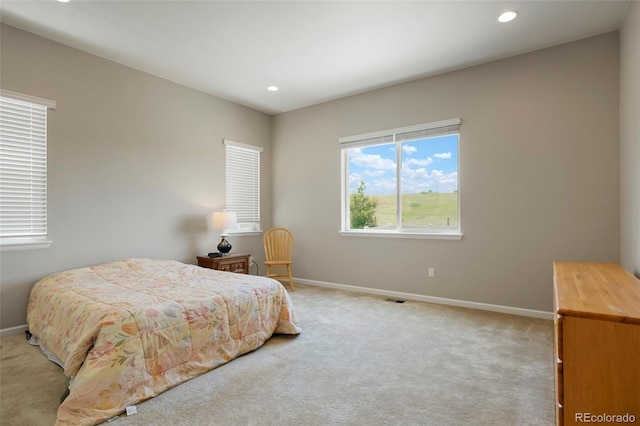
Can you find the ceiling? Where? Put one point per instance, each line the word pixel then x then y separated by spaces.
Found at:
pixel 314 51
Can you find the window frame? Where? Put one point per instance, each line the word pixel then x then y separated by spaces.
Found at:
pixel 437 128
pixel 246 225
pixel 35 240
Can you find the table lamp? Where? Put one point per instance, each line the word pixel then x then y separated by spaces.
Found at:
pixel 224 221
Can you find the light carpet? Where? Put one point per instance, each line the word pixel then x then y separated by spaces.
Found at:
pixel 359 360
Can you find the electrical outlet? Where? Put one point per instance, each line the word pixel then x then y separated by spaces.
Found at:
pixel 431 272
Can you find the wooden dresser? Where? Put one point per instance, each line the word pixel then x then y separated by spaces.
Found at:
pixel 597 344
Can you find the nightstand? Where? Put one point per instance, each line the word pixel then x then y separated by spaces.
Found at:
pixel 233 262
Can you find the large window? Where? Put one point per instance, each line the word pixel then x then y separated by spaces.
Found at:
pixel 23 171
pixel 402 182
pixel 243 184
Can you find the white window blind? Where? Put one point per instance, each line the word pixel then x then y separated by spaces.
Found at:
pixel 243 183
pixel 418 131
pixel 23 167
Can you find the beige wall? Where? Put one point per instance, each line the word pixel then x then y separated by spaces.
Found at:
pixel 538 180
pixel 136 164
pixel 630 139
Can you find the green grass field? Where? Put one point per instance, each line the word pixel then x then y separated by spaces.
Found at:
pixel 419 210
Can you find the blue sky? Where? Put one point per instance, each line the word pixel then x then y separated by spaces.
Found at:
pixel 428 164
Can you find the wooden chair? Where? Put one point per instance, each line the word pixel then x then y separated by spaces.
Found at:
pixel 278 250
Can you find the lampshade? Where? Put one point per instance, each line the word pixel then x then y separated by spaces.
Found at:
pixel 224 220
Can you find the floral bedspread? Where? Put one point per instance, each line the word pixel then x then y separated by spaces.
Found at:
pixel 128 330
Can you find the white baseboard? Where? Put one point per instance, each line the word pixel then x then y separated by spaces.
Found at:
pixel 395 294
pixel 13 330
pixel 431 299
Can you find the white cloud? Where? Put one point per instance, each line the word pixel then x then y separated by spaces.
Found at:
pixel 408 149
pixel 416 162
pixel 383 186
pixel 372 161
pixel 355 178
pixel 443 155
pixel 421 179
pixel 375 173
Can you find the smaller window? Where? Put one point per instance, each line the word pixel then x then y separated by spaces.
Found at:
pixel 243 184
pixel 23 171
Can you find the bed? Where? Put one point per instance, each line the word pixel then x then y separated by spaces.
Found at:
pixel 128 330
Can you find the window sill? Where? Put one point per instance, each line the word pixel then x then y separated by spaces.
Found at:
pixel 24 245
pixel 393 234
pixel 242 233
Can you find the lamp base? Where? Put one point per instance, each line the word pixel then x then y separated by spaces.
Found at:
pixel 224 247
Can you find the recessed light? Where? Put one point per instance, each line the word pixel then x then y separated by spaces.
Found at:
pixel 63 1
pixel 272 88
pixel 508 16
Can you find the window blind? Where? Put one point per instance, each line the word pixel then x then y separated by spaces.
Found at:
pixel 429 133
pixel 243 181
pixel 403 134
pixel 23 166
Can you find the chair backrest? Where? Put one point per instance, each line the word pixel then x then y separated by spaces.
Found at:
pixel 278 244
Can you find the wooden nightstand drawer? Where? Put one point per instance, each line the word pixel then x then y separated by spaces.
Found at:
pixel 238 263
pixel 238 267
